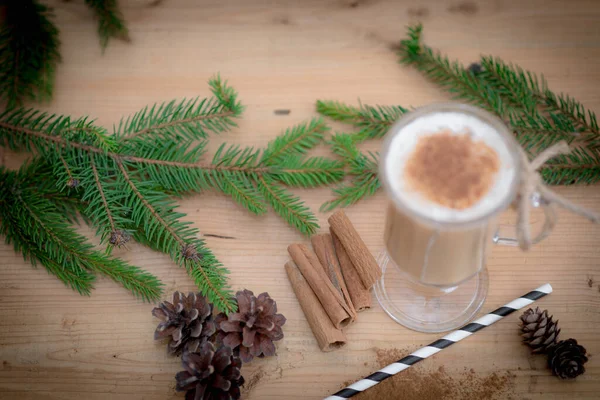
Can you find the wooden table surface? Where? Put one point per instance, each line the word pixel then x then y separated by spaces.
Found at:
pixel 55 344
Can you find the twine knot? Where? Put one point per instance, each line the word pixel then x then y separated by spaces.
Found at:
pixel 534 192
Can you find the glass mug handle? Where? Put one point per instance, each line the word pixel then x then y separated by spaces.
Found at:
pixel 502 236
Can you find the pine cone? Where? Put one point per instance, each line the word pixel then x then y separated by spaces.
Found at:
pixel 210 374
pixel 187 321
pixel 566 359
pixel 475 68
pixel 254 327
pixel 539 331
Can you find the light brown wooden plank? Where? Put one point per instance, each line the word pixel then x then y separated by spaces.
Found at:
pixel 57 345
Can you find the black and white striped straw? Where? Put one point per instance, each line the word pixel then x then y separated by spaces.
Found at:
pixel 441 344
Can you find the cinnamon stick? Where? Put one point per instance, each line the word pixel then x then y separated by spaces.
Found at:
pixel 310 267
pixel 323 246
pixel 362 259
pixel 361 296
pixel 328 336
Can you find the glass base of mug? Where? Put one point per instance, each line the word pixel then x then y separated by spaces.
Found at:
pixel 426 308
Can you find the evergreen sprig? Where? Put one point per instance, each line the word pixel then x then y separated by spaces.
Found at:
pixel 29 52
pixel 362 169
pixel 110 21
pixel 38 228
pixel 538 117
pixel 29 46
pixel 122 184
pixel 373 121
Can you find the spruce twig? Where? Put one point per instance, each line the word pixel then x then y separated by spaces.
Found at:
pixel 124 181
pixel 538 117
pixel 40 231
pixel 451 75
pixel 373 121
pixel 110 21
pixel 28 52
pixel 363 170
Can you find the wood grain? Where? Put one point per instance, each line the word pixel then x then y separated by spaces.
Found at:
pixel 57 345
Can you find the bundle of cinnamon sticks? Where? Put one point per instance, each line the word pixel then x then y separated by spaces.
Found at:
pixel 333 282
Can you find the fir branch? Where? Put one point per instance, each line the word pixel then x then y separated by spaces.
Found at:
pixel 41 232
pixel 142 284
pixel 518 87
pixel 581 166
pixel 451 75
pixel 241 191
pixel 187 119
pixel 172 173
pixel 344 145
pixel 288 206
pixel 543 118
pixel 109 216
pixel 538 117
pixel 373 121
pixel 124 185
pixel 363 169
pixel 149 215
pixel 532 94
pixel 584 120
pixel 361 186
pixel 110 21
pixel 295 141
pixel 177 239
pixel 310 172
pixel 78 280
pixel 28 52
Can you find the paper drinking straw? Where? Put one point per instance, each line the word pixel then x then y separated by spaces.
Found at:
pixel 441 344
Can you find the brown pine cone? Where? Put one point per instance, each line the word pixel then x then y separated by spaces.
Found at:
pixel 255 326
pixel 567 358
pixel 210 374
pixel 539 331
pixel 186 321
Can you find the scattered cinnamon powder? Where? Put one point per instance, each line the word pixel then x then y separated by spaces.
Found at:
pixel 421 383
pixel 254 380
pixel 452 170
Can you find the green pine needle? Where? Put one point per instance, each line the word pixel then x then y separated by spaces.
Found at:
pixel 309 172
pixel 78 280
pixel 538 117
pixel 373 121
pixel 288 206
pixel 42 233
pixel 187 119
pixel 110 21
pixel 28 52
pixel 581 166
pixel 123 185
pixel 361 186
pixel 295 141
pixel 363 169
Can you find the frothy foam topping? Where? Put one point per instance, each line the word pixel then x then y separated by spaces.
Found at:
pixel 451 170
pixel 450 167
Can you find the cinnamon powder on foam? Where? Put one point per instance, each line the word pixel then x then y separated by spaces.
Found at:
pixel 451 170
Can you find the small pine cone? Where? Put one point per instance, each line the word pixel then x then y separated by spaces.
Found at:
pixel 189 252
pixel 255 326
pixel 539 331
pixel 567 358
pixel 119 237
pixel 73 183
pixel 187 321
pixel 475 68
pixel 210 374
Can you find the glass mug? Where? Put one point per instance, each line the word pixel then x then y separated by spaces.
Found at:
pixel 434 275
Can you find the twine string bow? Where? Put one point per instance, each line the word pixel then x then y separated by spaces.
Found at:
pixel 534 192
